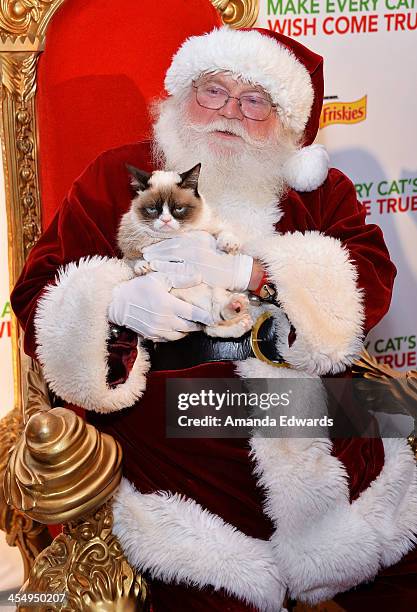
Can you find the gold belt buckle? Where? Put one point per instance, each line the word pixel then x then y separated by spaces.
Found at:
pixel 255 342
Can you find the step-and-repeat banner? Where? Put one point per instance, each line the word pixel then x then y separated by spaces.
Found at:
pixel 369 127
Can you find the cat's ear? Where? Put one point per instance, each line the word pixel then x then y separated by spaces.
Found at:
pixel 140 178
pixel 189 179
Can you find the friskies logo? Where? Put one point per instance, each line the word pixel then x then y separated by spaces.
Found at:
pixel 343 112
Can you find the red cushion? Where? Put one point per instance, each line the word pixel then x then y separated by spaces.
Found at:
pixel 103 62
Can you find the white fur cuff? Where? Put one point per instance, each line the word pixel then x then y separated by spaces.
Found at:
pixel 72 332
pixel 177 541
pixel 317 289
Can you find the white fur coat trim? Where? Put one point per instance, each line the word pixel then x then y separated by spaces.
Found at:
pixel 177 541
pixel 317 288
pixel 324 544
pixel 254 58
pixel 72 332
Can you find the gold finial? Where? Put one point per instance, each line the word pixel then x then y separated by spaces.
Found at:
pixel 61 468
pixel 237 13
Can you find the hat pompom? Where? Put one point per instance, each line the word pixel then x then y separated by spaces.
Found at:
pixel 307 169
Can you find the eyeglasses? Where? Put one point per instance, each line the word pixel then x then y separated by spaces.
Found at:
pixel 252 105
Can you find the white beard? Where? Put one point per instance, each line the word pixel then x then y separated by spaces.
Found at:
pixel 242 182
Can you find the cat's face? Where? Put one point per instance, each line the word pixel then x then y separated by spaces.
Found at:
pixel 167 202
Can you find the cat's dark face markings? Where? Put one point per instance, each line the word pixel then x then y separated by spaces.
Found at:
pixel 164 204
pixel 151 207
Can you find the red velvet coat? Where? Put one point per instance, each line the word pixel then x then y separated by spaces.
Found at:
pixel 216 473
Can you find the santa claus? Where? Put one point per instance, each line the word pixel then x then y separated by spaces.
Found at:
pixel 220 524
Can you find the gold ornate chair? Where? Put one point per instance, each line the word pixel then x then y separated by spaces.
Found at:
pixel 76 79
pixel 60 70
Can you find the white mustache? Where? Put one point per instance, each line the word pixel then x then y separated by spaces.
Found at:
pixel 225 126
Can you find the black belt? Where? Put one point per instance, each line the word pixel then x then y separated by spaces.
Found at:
pixel 198 348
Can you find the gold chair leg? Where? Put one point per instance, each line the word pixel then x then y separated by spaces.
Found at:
pixel 87 564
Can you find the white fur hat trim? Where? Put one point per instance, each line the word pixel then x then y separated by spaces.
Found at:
pixel 307 169
pixel 253 57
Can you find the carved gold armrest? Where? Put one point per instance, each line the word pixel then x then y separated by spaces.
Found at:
pixel 398 389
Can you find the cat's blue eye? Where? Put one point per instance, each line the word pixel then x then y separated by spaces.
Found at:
pixel 179 209
pixel 151 209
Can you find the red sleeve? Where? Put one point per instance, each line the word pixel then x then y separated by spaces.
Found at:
pixel 85 224
pixel 346 220
pixel 72 234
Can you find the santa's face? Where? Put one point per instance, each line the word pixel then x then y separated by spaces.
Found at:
pixel 230 126
pixel 242 159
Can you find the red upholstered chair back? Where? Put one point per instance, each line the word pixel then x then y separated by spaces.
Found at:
pixel 103 63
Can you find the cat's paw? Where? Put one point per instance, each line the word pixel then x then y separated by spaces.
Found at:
pixel 233 328
pixel 242 326
pixel 226 241
pixel 238 304
pixel 141 267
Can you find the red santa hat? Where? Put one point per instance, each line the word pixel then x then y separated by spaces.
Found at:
pixel 289 72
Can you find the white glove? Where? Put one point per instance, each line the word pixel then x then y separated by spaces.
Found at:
pixel 195 253
pixel 145 305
